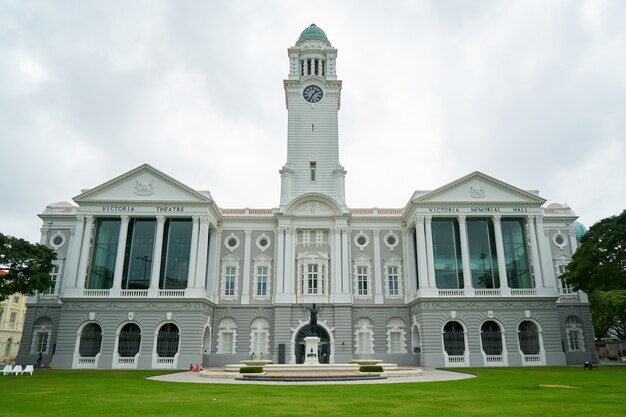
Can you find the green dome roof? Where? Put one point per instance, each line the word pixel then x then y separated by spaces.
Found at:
pixel 312 32
pixel 580 230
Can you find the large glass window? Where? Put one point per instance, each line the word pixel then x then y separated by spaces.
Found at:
pixel 175 254
pixel 139 253
pixel 516 253
pixel 447 253
pixel 104 253
pixel 482 252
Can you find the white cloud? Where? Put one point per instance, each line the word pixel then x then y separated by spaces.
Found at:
pixel 533 93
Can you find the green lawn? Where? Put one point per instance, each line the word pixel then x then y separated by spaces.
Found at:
pixel 495 392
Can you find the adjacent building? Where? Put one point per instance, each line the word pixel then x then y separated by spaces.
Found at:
pixel 154 274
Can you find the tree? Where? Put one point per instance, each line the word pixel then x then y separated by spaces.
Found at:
pixel 27 266
pixel 599 268
pixel 600 261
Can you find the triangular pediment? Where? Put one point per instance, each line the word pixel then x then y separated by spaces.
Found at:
pixel 143 184
pixel 478 188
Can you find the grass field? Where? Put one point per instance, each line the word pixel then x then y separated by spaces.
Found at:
pixel 527 392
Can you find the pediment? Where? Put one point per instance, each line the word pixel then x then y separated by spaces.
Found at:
pixel 479 188
pixel 313 205
pixel 143 184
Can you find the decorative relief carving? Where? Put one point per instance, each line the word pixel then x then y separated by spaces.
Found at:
pixel 144 187
pixel 477 191
pixel 313 208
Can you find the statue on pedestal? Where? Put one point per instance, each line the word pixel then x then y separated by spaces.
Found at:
pixel 313 319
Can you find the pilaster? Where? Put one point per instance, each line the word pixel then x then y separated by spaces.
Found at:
pixel 534 252
pixel 193 253
pixel 245 287
pixel 378 281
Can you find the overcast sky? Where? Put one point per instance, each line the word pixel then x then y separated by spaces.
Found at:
pixel 532 93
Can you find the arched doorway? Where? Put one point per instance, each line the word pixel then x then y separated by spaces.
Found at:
pixel 324 347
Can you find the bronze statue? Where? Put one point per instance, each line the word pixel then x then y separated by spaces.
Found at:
pixel 313 319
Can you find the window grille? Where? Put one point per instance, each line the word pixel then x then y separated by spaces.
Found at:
pixel 528 338
pixel 453 338
pixel 167 341
pixel 90 341
pixel 392 277
pixel 261 288
pixel 491 338
pixel 129 341
pixel 230 280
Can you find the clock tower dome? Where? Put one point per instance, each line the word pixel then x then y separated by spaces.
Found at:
pixel 313 97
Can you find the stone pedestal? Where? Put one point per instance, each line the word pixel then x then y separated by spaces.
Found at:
pixel 311 349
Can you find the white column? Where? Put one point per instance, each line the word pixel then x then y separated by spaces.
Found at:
pixel 378 281
pixel 280 264
pixel 119 256
pixel 193 252
pixel 335 245
pixel 71 271
pixel 534 252
pixel 422 265
pixel 346 261
pixel 203 247
pixel 213 286
pixel 245 287
pixel 155 275
pixel 84 254
pixel 410 274
pixel 465 258
pixel 504 282
pixel 430 254
pixel 545 257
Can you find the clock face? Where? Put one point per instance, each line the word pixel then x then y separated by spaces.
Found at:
pixel 312 94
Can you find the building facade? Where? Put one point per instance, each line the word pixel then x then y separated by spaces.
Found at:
pixel 154 274
pixel 12 314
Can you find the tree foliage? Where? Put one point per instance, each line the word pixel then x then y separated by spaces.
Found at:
pixel 27 266
pixel 600 261
pixel 608 313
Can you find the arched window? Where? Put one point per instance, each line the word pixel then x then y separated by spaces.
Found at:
pixel 574 330
pixel 260 338
pixel 129 341
pixel 454 338
pixel 41 335
pixel 396 342
pixel 528 336
pixel 8 347
pixel 491 338
pixel 364 336
pixel 90 340
pixel 227 336
pixel 167 341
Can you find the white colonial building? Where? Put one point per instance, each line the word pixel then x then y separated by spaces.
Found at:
pixel 154 274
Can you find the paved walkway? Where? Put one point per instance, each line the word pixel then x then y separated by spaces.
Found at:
pixel 428 375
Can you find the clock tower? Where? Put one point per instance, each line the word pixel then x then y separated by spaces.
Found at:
pixel 313 97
